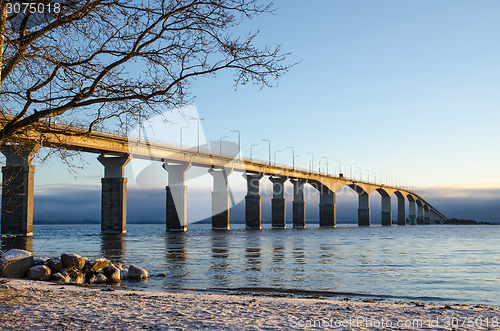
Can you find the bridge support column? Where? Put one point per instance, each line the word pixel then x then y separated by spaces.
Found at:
pixel 299 204
pixel 420 215
pixel 364 213
pixel 17 190
pixel 252 202
pixel 114 194
pixel 401 210
pixel 278 203
pixel 427 215
pixel 176 196
pixel 412 214
pixel 386 211
pixel 220 199
pixel 327 208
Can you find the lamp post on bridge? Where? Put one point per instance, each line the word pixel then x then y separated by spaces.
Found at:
pixel 184 127
pixel 311 164
pixel 239 140
pixel 269 157
pixel 275 156
pixel 220 144
pixel 324 157
pixel 340 167
pixel 293 157
pixel 251 146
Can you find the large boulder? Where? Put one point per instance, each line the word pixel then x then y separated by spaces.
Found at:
pixel 55 264
pixel 41 260
pixel 100 279
pixel 135 272
pixel 73 261
pixel 15 263
pixel 98 265
pixel 39 272
pixel 112 273
pixel 60 278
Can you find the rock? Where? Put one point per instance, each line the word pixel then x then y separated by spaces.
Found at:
pixel 73 261
pixel 112 273
pixel 39 272
pixel 135 272
pixel 41 260
pixel 123 274
pixel 90 279
pixel 98 265
pixel 15 263
pixel 78 278
pixel 55 264
pixel 162 275
pixel 60 278
pixel 100 279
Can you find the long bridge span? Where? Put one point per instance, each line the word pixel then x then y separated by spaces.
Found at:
pixel 115 151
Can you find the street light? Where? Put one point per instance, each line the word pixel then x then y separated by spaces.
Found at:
pixel 311 165
pixel 340 166
pixel 251 150
pixel 184 127
pixel 275 156
pixel 239 140
pixel 293 157
pixel 269 141
pixel 324 157
pixel 199 120
pixel 220 144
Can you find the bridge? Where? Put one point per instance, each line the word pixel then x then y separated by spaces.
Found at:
pixel 115 151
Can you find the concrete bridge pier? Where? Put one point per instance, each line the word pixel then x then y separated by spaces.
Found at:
pixel 386 210
pixel 252 202
pixel 220 199
pixel 114 194
pixel 299 204
pixel 327 208
pixel 401 209
pixel 420 212
pixel 17 190
pixel 364 213
pixel 427 215
pixel 412 213
pixel 176 196
pixel 278 203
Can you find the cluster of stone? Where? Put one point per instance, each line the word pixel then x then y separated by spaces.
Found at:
pixel 69 268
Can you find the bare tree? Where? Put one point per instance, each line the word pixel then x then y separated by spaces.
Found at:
pixel 89 61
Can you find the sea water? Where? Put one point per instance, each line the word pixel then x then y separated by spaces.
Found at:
pixel 450 263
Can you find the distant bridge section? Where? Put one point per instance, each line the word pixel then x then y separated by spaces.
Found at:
pixel 116 151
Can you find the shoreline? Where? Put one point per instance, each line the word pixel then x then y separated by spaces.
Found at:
pixel 38 305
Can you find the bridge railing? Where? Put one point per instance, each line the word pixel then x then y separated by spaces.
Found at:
pixel 61 124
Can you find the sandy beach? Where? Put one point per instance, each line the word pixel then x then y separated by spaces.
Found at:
pixel 32 305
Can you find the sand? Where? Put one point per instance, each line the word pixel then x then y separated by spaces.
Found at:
pixel 31 305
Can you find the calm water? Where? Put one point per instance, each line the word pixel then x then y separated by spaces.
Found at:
pixel 433 262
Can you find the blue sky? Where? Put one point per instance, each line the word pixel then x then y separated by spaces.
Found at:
pixel 409 89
